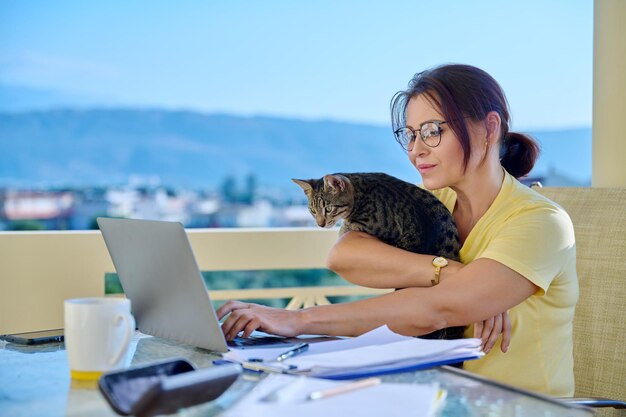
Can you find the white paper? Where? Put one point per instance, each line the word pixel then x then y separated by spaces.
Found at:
pixel 386 399
pixel 380 347
pixel 379 336
pixel 415 349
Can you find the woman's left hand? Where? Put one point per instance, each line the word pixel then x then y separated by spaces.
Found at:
pixel 489 330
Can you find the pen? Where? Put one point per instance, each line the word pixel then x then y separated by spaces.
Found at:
pixel 296 350
pixel 260 367
pixel 364 383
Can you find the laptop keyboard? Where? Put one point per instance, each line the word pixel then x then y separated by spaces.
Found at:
pixel 260 341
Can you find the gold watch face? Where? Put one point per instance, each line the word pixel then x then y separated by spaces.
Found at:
pixel 440 262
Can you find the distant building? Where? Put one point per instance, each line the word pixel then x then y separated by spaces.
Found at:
pixel 294 216
pixel 204 212
pixel 258 214
pixel 121 201
pixel 50 209
pixel 89 205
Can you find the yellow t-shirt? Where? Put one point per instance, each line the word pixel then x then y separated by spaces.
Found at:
pixel 535 237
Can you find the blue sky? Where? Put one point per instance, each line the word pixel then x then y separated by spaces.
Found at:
pixel 340 60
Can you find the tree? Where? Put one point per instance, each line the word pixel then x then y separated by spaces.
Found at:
pixel 26 225
pixel 229 189
pixel 250 191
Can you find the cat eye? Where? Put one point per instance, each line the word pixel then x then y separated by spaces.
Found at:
pixel 429 133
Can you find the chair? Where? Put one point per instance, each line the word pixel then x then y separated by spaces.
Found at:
pixel 599 217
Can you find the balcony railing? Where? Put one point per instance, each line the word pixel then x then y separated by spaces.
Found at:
pixel 38 270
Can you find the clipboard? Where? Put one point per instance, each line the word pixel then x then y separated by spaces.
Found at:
pixel 394 368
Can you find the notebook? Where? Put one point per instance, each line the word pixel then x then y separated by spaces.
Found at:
pixel 159 274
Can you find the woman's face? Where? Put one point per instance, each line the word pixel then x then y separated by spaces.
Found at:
pixel 441 166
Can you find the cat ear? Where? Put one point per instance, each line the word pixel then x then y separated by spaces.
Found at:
pixel 335 183
pixel 306 185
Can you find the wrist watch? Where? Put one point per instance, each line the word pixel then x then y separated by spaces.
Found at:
pixel 439 262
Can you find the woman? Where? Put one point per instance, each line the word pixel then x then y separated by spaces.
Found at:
pixel 517 255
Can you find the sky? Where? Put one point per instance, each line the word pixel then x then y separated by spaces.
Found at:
pixel 336 60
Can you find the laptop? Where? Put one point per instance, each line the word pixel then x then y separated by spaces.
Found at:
pixel 159 274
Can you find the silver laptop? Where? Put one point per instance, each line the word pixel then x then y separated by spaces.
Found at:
pixel 159 274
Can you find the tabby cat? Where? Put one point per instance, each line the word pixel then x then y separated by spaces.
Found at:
pixel 396 212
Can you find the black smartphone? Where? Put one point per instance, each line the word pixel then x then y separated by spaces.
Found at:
pixel 165 387
pixel 35 338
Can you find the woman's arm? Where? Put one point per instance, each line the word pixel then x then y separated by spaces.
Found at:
pixel 479 291
pixel 364 260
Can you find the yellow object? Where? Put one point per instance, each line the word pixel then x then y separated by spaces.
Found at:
pixel 85 375
pixel 439 262
pixel 533 236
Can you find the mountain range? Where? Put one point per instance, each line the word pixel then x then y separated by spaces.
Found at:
pixel 190 149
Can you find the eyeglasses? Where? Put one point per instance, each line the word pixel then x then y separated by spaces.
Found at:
pixel 429 133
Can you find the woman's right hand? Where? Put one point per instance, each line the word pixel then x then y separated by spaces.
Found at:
pixel 248 317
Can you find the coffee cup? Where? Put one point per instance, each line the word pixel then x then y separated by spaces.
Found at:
pixel 98 332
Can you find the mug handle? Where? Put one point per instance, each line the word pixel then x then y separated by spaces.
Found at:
pixel 129 321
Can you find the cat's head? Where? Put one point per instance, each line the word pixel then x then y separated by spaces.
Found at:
pixel 331 198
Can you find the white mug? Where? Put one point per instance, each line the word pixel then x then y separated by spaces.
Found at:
pixel 98 332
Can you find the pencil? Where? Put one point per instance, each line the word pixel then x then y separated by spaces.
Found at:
pixel 364 383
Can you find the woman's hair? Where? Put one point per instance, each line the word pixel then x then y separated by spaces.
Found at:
pixel 463 91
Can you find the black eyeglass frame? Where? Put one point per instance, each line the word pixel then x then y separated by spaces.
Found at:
pixel 408 148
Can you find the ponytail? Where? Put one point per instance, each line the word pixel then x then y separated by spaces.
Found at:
pixel 518 153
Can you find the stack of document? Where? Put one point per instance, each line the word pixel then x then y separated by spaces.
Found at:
pixel 289 396
pixel 375 353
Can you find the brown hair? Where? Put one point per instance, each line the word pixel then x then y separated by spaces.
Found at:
pixel 461 91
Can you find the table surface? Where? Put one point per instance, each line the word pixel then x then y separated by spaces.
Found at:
pixel 35 381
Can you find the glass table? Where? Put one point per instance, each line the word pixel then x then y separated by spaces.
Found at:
pixel 35 381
